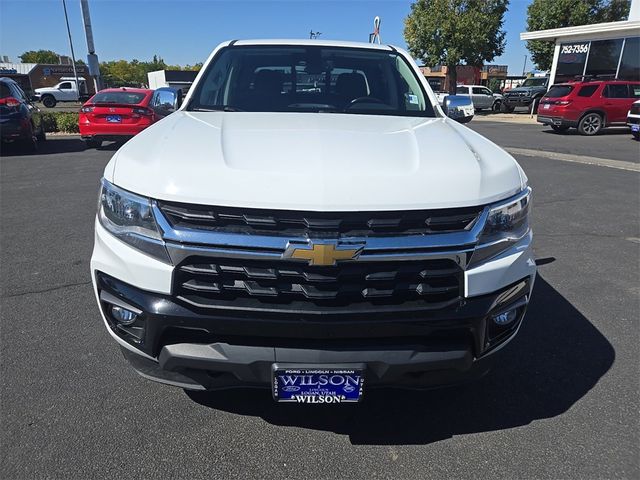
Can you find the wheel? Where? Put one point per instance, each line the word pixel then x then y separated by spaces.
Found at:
pixel 93 143
pixel 48 101
pixel 559 128
pixel 42 135
pixel 590 124
pixel 30 144
pixel 497 106
pixel 504 108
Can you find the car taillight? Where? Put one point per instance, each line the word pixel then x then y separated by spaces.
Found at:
pixel 10 102
pixel 562 102
pixel 86 109
pixel 142 111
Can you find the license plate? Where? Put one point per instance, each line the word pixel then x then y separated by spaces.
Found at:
pixel 546 106
pixel 635 127
pixel 114 118
pixel 317 384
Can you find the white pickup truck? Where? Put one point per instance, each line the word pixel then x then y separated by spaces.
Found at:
pixel 482 97
pixel 64 91
pixel 310 221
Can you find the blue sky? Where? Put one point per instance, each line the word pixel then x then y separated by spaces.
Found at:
pixel 184 32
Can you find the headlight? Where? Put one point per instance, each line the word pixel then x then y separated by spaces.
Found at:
pixel 507 222
pixel 129 217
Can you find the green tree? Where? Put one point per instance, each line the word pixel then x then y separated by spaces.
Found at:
pixel 39 56
pixel 546 14
pixel 449 32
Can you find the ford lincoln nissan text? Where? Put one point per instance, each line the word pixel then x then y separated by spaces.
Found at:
pixel 308 220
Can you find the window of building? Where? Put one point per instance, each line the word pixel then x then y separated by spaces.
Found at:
pixel 587 90
pixel 571 61
pixel 630 64
pixel 603 58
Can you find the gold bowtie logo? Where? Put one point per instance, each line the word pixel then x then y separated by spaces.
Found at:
pixel 322 254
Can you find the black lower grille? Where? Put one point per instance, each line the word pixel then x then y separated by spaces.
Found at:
pixel 437 281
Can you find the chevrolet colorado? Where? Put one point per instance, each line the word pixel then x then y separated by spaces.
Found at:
pixel 310 221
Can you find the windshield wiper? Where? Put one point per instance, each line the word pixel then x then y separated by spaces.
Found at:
pixel 217 108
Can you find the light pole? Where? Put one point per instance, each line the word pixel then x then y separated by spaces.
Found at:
pixel 73 55
pixel 92 58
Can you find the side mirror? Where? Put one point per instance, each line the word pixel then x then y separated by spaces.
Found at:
pixel 459 108
pixel 166 100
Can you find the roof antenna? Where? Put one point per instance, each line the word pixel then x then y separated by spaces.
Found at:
pixel 314 35
pixel 375 36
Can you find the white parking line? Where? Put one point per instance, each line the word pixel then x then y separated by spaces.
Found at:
pixel 568 157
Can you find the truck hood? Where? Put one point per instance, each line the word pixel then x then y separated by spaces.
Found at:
pixel 314 161
pixel 45 89
pixel 527 89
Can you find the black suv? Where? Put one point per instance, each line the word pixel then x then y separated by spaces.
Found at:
pixel 20 119
pixel 532 89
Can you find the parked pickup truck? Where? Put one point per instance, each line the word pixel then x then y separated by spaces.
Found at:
pixel 481 96
pixel 318 242
pixel 531 90
pixel 65 91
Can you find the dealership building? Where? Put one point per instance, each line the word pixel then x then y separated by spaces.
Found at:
pixel 602 50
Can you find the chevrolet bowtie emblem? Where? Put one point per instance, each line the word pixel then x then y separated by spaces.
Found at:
pixel 323 254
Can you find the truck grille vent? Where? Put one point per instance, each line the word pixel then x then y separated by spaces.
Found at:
pixel 199 280
pixel 298 223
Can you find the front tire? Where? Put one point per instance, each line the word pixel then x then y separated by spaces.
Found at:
pixel 591 124
pixel 49 101
pixel 559 128
pixel 497 106
pixel 504 108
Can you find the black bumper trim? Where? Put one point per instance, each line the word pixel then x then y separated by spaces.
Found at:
pixel 215 351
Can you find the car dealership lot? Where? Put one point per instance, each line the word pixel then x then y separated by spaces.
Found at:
pixel 563 404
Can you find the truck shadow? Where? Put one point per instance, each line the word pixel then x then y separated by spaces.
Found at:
pixel 556 359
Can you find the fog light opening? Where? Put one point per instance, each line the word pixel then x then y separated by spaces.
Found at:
pixel 505 318
pixel 123 316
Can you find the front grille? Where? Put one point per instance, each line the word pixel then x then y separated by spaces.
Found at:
pixel 205 280
pixel 633 120
pixel 299 223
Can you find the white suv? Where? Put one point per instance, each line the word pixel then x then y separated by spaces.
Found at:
pixel 310 221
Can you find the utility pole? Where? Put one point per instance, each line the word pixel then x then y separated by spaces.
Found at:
pixel 73 56
pixel 92 58
pixel 524 67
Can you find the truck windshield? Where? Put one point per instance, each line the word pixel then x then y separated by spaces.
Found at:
pixel 310 79
pixel 535 82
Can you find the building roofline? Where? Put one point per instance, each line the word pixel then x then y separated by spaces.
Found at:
pixel 632 26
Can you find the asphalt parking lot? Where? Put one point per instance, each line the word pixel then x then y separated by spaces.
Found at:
pixel 562 402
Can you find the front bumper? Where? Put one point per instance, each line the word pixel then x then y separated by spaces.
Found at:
pixel 191 348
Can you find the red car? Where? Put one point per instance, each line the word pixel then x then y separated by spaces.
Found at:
pixel 588 106
pixel 116 114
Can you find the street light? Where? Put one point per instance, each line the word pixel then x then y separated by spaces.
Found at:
pixel 73 56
